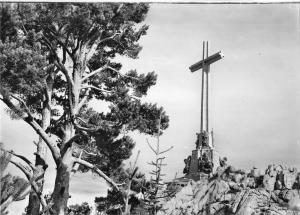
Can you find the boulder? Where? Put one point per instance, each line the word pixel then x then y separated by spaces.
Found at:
pixel 255 172
pixel 289 177
pixel 269 182
pixel 232 192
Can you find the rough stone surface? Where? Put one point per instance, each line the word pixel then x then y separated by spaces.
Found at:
pixel 233 191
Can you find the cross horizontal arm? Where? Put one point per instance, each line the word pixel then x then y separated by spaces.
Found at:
pixel 207 61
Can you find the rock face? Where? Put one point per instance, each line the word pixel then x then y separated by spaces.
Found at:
pixel 232 191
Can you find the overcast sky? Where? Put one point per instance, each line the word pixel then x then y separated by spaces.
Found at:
pixel 254 103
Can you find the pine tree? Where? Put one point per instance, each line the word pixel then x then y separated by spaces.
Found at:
pixel 25 73
pixel 71 47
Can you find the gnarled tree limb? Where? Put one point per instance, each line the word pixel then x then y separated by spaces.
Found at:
pixel 30 120
pixel 99 172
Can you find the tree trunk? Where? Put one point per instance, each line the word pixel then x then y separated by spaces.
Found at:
pixel 64 168
pixel 34 201
pixel 40 165
pixel 62 182
pixel 126 209
pixel 33 207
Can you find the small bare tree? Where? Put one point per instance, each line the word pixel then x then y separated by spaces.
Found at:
pixel 132 172
pixel 155 192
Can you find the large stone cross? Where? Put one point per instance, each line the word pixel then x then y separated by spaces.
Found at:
pixel 204 64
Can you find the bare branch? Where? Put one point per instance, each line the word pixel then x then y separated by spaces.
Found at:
pixel 151 163
pixel 83 101
pixel 24 194
pixel 21 157
pixel 94 129
pixel 136 159
pixel 27 173
pixel 90 153
pixel 109 38
pixel 122 75
pixel 76 165
pixel 64 71
pixel 121 184
pixel 85 128
pixel 107 91
pixel 52 145
pixel 32 182
pixel 24 104
pixel 80 119
pixel 49 45
pixel 134 97
pixel 93 73
pixel 162 158
pixel 96 88
pixel 150 146
pixel 78 42
pixel 63 45
pixel 99 172
pixel 166 150
pixel 30 120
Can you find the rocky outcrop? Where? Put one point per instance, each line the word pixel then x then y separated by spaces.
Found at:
pixel 232 191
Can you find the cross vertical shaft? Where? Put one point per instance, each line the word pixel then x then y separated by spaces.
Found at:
pixel 204 122
pixel 202 89
pixel 207 77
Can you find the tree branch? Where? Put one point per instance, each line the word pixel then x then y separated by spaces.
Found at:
pixel 62 45
pixel 32 182
pixel 83 101
pixel 80 119
pixel 48 44
pixel 90 153
pixel 109 38
pixel 57 62
pixel 76 166
pixel 93 73
pixel 136 159
pixel 27 173
pixel 99 172
pixel 21 157
pixel 96 88
pixel 30 120
pixel 122 75
pixel 166 150
pixel 53 147
pixel 85 128
pixel 27 110
pixel 64 71
pixel 150 146
pixel 68 144
pixel 24 194
pixel 107 91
